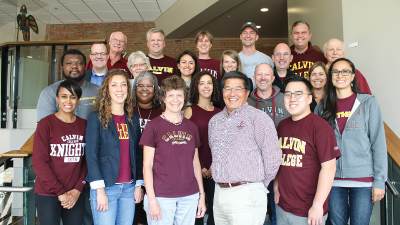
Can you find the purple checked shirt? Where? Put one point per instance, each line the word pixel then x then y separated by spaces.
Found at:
pixel 244 146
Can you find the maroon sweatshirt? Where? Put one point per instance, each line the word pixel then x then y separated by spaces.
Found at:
pixel 58 156
pixel 302 62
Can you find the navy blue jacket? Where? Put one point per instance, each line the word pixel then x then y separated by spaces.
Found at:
pixel 103 150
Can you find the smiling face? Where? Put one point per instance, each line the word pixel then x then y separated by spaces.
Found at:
pixel 248 37
pixel 301 35
pixel 203 45
pixel 99 56
pixel 205 86
pixel 318 77
pixel 138 66
pixel 264 77
pixel 73 67
pixel 342 75
pixel 66 101
pixel 297 100
pixel 282 56
pixel 117 42
pixel 234 93
pixel 174 100
pixel 145 90
pixel 156 43
pixel 334 49
pixel 186 65
pixel 229 64
pixel 118 89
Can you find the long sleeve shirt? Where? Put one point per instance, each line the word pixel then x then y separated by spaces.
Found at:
pixel 244 146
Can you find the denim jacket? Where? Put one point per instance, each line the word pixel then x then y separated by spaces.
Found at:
pixel 362 143
pixel 103 150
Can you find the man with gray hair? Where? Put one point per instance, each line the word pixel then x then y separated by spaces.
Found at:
pixel 162 66
pixel 334 49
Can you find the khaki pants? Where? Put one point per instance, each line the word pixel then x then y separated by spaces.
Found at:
pixel 240 205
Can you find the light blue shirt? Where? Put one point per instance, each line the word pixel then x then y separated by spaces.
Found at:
pixel 249 62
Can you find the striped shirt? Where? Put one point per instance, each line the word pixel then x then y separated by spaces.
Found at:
pixel 244 146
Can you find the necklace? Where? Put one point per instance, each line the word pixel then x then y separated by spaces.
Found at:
pixel 142 119
pixel 175 123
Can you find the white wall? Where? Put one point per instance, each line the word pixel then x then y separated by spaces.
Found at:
pixel 375 26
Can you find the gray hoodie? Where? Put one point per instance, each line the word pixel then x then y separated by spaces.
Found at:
pixel 275 101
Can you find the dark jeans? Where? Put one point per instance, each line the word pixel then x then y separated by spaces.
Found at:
pixel 209 188
pixel 350 203
pixel 50 211
pixel 87 211
pixel 140 214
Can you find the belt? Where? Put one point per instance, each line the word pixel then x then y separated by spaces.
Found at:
pixel 229 185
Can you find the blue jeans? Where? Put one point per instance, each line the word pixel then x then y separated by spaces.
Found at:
pixel 350 203
pixel 174 211
pixel 121 205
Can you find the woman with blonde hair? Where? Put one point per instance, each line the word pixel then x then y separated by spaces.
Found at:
pixel 112 153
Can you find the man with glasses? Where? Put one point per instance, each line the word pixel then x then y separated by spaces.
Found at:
pixel 98 57
pixel 245 156
pixel 117 44
pixel 282 57
pixel 304 53
pixel 308 165
pixel 250 56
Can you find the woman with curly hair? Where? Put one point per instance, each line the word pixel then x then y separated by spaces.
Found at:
pixel 112 153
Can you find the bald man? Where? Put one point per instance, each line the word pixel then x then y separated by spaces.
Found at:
pixel 117 44
pixel 334 49
pixel 282 57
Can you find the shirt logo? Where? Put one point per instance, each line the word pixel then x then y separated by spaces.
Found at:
pixel 177 137
pixel 295 144
pixel 122 129
pixel 71 150
pixel 160 69
pixel 344 114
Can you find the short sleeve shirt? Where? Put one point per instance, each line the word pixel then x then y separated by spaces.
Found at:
pixel 173 173
pixel 305 144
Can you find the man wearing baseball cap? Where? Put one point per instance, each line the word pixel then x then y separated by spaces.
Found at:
pixel 249 56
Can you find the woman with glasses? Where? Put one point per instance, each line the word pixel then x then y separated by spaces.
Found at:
pixel 187 66
pixel 58 160
pixel 317 74
pixel 361 170
pixel 171 167
pixel 112 153
pixel 138 63
pixel 204 95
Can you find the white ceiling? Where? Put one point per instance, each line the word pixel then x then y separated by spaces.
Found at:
pixel 85 11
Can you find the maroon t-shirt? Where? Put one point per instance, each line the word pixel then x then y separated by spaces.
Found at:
pixel 145 115
pixel 58 156
pixel 302 62
pixel 173 173
pixel 163 68
pixel 305 145
pixel 201 118
pixel 210 65
pixel 124 174
pixel 343 110
pixel 362 83
pixel 120 64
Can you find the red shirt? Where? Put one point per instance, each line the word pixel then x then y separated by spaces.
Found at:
pixel 124 175
pixel 58 156
pixel 212 66
pixel 163 68
pixel 173 173
pixel 305 144
pixel 201 118
pixel 302 62
pixel 362 83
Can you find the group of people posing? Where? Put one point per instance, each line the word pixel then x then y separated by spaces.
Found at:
pixel 198 140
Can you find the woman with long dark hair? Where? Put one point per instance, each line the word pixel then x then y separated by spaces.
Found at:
pixel 187 66
pixel 204 96
pixel 112 153
pixel 361 170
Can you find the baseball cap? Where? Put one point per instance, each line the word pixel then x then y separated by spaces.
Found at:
pixel 251 25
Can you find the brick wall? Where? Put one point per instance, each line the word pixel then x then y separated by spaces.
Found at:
pixel 136 33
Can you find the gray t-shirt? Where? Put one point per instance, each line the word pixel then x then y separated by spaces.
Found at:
pixel 47 100
pixel 249 62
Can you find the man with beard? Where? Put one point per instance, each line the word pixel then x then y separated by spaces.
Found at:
pixel 73 68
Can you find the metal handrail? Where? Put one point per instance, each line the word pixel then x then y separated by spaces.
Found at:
pixel 15 189
pixel 392 187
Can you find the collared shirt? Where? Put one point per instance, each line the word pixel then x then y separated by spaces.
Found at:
pixel 97 79
pixel 244 146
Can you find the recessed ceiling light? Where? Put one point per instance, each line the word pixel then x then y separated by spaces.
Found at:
pixel 258 26
pixel 264 9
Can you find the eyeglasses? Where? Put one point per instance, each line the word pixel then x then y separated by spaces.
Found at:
pixel 295 94
pixel 235 89
pixel 143 86
pixel 116 40
pixel 98 54
pixel 344 73
pixel 139 65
